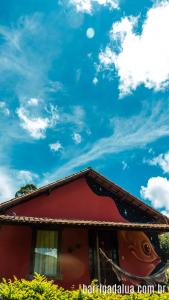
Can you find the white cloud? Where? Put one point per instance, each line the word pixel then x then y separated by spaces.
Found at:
pixel 82 5
pixel 76 137
pixel 140 58
pixel 27 51
pixel 162 161
pixel 33 101
pixel 26 55
pixel 133 133
pixel 151 151
pixel 25 176
pixel 157 191
pixel 11 180
pixel 4 109
pixel 124 165
pixel 75 116
pixel 36 120
pixel 107 58
pixel 7 186
pixel 55 86
pixel 53 115
pixel 55 147
pixel 90 33
pixel 87 6
pixel 95 80
pixel 37 126
pixel 165 212
pixel 14 55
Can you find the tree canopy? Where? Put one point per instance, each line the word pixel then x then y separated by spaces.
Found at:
pixel 164 243
pixel 28 188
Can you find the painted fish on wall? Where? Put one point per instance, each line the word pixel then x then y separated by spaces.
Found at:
pixel 136 253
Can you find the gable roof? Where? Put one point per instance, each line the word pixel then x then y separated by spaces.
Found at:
pixel 107 184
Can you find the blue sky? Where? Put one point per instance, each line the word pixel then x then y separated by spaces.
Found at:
pixel 85 83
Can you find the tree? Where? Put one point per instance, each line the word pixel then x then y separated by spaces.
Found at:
pixel 164 245
pixel 28 188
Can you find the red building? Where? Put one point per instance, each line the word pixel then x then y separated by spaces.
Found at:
pixel 69 229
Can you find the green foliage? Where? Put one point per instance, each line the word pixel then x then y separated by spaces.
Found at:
pixel 167 278
pixel 37 289
pixel 164 243
pixel 42 289
pixel 25 190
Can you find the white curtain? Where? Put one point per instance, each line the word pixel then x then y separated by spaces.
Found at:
pixel 46 252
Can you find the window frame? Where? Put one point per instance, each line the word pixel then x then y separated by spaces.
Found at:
pixel 32 258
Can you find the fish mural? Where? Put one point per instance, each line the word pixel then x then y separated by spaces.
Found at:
pixel 138 261
pixel 132 255
pixel 136 253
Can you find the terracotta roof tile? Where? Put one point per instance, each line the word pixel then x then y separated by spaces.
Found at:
pixel 7 219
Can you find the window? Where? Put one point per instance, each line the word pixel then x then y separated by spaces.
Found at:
pixel 46 253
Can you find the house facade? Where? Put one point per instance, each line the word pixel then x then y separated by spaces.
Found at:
pixel 80 228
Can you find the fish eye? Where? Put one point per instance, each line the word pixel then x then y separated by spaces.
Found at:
pixel 146 248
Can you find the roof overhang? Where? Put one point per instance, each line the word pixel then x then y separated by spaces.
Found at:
pixel 23 220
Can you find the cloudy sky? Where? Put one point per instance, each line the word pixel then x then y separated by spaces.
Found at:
pixel 85 83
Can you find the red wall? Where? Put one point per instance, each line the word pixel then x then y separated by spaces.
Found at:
pixel 74 200
pixel 74 265
pixel 15 250
pixel 15 254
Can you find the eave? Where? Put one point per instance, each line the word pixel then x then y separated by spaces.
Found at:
pixel 24 220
